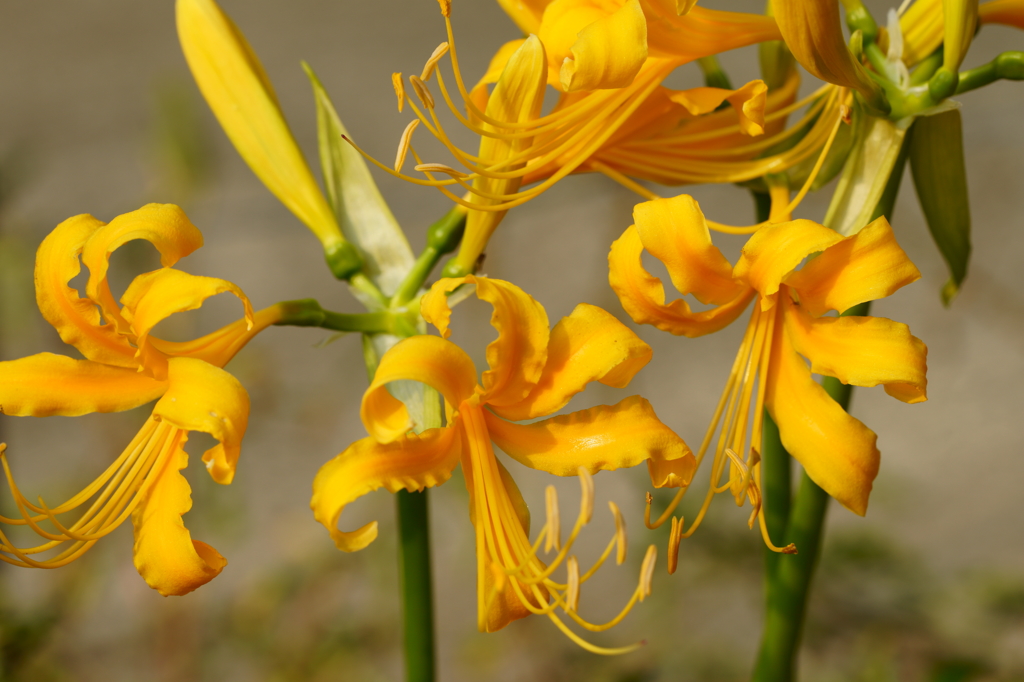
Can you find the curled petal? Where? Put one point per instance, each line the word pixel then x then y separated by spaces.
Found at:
pixel 77 320
pixel 154 296
pixel 164 225
pixel 588 345
pixel 201 397
pixel 609 52
pixel 748 102
pixel 1008 12
pixel 864 267
pixel 45 384
pixel 675 232
pixel 774 251
pixel 166 556
pixel 601 438
pixel 837 451
pixel 517 357
pixel 643 296
pixel 427 359
pixel 413 462
pixel 218 347
pixel 672 473
pixel 863 351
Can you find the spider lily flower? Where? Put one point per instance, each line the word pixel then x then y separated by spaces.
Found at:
pixel 605 59
pixel 236 87
pixel 533 372
pixel 125 366
pixel 789 323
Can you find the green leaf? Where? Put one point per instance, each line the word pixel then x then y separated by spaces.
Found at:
pixel 363 214
pixel 937 165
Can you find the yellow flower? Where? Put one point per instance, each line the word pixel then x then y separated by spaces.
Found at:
pixel 605 58
pixel 236 87
pixel 789 323
pixel 533 372
pixel 125 367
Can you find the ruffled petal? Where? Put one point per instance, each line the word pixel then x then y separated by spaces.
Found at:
pixel 675 232
pixel 164 225
pixel 588 345
pixel 864 267
pixel 427 359
pixel 517 357
pixel 601 438
pixel 774 251
pixel 642 295
pixel 413 462
pixel 201 397
pixel 45 385
pixel 154 296
pixel 166 556
pixel 837 451
pixel 76 319
pixel 749 103
pixel 863 351
pixel 217 348
pixel 609 52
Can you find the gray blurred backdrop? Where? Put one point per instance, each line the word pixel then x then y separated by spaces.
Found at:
pixel 98 114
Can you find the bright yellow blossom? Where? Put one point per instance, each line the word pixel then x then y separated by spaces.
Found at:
pixel 789 323
pixel 126 367
pixel 533 372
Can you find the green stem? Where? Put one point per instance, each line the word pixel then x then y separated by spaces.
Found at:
pixel 415 578
pixel 442 237
pixel 308 313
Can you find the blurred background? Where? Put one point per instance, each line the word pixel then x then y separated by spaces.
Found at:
pixel 98 114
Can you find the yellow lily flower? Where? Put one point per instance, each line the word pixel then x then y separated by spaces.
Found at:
pixel 789 323
pixel 533 372
pixel 606 58
pixel 126 367
pixel 236 87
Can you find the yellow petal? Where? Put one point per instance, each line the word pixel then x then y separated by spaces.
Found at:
pixel 776 250
pixel 413 462
pixel 1008 12
pixel 154 296
pixel 77 320
pixel 517 357
pixel 165 226
pixel 813 32
pixel 672 473
pixel 601 438
pixel 217 348
pixel 46 384
pixel 748 101
pixel 232 80
pixel 201 397
pixel 497 65
pixel 427 359
pixel 166 556
pixel 837 451
pixel 922 27
pixel 526 13
pixel 675 232
pixel 702 32
pixel 643 297
pixel 864 267
pixel 863 351
pixel 609 52
pixel 517 98
pixel 588 345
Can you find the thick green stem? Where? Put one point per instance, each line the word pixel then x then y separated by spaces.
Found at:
pixel 415 578
pixel 308 313
pixel 442 237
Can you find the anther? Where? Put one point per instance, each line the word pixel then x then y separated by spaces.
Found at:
pixel 572 593
pixel 845 114
pixel 587 496
pixel 428 68
pixel 446 8
pixel 674 537
pixel 403 144
pixel 647 571
pixel 399 85
pixel 620 534
pixel 422 91
pixel 553 539
pixel 440 168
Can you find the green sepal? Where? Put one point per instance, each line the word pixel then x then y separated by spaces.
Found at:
pixel 937 166
pixel 363 215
